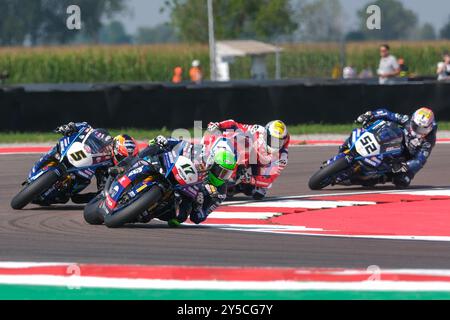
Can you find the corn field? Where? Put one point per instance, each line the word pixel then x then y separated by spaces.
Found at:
pixel 156 62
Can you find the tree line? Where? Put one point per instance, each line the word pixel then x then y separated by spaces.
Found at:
pixel 43 22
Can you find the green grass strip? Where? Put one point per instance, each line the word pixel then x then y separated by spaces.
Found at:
pixel 22 292
pixel 33 137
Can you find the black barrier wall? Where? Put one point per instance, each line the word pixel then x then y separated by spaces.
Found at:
pixel 153 106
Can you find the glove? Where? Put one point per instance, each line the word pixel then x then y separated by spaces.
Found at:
pixel 247 178
pixel 283 162
pixel 213 126
pixel 400 168
pixel 67 129
pixel 212 191
pixel 115 171
pixel 414 143
pixel 365 118
pixel 160 141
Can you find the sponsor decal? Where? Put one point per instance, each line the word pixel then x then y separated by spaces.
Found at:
pixel 141 188
pixel 110 203
pixel 379 125
pixel 177 176
pixel 393 149
pixel 135 172
pixel 124 181
pixel 114 191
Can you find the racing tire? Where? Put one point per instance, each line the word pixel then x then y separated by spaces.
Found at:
pixel 92 213
pixel 130 213
pixel 33 190
pixel 321 179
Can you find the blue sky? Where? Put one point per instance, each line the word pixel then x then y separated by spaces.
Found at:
pixel 146 12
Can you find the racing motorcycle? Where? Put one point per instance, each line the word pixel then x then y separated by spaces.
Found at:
pixel 148 189
pixel 66 170
pixel 371 154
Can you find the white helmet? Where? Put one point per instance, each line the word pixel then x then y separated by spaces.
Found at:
pixel 422 122
pixel 196 63
pixel 277 134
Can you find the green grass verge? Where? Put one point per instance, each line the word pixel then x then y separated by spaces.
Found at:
pixel 26 137
pixel 23 292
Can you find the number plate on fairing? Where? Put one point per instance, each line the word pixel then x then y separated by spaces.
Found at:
pixel 367 145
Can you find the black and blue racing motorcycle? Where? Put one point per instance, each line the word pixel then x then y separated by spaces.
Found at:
pixel 370 155
pixel 146 190
pixel 65 170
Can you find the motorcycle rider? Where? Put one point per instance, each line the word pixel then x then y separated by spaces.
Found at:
pixel 116 150
pixel 212 192
pixel 271 145
pixel 420 132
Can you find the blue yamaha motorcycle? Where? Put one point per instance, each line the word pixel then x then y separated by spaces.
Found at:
pixel 66 170
pixel 370 155
pixel 146 190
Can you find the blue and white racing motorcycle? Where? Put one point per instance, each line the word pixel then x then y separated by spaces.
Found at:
pixel 65 170
pixel 146 190
pixel 371 155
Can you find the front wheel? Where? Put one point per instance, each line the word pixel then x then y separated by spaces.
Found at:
pixel 34 190
pixel 324 177
pixel 92 213
pixel 131 213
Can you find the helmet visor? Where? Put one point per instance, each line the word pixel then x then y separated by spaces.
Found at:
pixel 422 131
pixel 274 143
pixel 221 173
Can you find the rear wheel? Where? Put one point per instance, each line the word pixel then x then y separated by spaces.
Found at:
pixel 34 190
pixel 131 213
pixel 92 213
pixel 324 177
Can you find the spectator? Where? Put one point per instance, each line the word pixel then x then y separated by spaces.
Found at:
pixel 177 75
pixel 443 70
pixel 196 72
pixel 389 68
pixel 336 73
pixel 349 73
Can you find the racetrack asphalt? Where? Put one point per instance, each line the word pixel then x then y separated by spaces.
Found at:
pixel 59 234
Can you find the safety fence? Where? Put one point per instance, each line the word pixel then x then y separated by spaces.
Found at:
pixel 158 105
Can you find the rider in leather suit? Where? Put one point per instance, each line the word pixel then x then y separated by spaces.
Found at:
pixel 117 150
pixel 211 193
pixel 420 131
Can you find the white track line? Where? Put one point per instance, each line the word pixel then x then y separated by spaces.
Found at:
pixel 99 282
pixel 243 215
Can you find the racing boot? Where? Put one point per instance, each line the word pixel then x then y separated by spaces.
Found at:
pixel 402 180
pixel 259 193
pixel 247 189
pixel 174 223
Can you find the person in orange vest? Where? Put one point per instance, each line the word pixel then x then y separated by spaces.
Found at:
pixel 177 75
pixel 196 72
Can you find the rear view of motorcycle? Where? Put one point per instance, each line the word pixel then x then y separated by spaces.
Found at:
pixel 369 157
